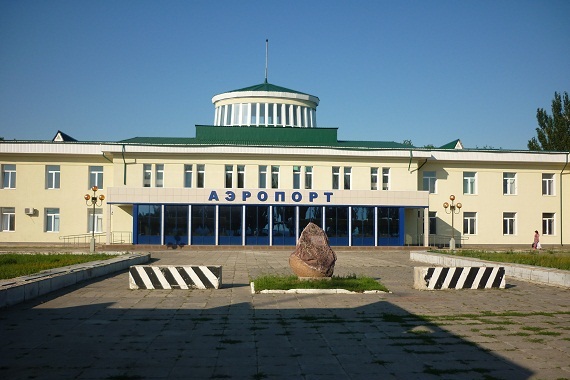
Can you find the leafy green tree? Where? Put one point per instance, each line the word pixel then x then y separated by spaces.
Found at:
pixel 553 132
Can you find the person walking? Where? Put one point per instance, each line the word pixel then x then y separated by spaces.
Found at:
pixel 536 242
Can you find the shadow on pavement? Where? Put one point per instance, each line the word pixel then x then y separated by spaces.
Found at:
pixel 271 341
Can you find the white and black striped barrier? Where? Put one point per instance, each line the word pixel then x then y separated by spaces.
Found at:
pixel 175 277
pixel 435 278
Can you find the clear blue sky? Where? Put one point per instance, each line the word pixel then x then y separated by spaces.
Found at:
pixel 427 71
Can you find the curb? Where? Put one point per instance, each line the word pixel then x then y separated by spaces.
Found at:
pixel 25 288
pixel 312 291
pixel 529 273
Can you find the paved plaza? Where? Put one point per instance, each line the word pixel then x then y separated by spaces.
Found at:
pixel 103 330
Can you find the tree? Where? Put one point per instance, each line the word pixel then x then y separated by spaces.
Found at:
pixel 553 133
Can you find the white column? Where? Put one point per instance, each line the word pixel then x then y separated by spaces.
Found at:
pixel 426 227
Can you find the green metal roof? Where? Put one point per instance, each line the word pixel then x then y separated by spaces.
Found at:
pixel 266 136
pixel 268 87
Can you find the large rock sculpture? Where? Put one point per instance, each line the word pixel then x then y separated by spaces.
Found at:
pixel 313 256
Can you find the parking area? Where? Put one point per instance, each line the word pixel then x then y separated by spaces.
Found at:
pixel 101 329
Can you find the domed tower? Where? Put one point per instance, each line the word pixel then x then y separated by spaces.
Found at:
pixel 265 105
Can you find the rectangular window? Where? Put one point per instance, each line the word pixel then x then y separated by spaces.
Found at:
pixel 96 176
pixel 262 177
pixel 8 218
pixel 147 175
pixel 296 177
pixel 254 113
pixel 241 176
pixel 430 182
pixel 52 220
pixel 308 177
pixel 385 178
pixel 262 113
pixel 244 117
pixel 159 170
pixel 469 183
pixel 509 223
pixel 432 222
pixel 509 183
pixel 335 177
pixel 288 114
pixel 278 119
pixel 201 175
pixel 8 176
pixel 547 184
pixel 470 223
pixel 373 178
pixel 98 220
pixel 270 113
pixel 188 175
pixel 548 223
pixel 52 176
pixel 229 176
pixel 347 178
pixel 274 177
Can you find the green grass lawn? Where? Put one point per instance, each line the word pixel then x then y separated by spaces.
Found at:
pixel 351 283
pixel 541 258
pixel 16 265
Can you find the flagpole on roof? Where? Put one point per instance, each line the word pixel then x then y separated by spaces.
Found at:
pixel 266 57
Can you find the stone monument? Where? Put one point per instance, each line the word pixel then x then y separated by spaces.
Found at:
pixel 313 256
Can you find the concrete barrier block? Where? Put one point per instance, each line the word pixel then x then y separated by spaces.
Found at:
pixel 175 277
pixel 436 278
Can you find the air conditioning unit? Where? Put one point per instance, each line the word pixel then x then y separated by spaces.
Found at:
pixel 29 211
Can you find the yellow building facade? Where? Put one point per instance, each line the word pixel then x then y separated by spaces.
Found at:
pixel 263 171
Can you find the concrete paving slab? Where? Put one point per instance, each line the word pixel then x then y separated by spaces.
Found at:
pixel 100 329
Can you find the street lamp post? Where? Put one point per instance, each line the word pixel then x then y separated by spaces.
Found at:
pixel 93 201
pixel 453 209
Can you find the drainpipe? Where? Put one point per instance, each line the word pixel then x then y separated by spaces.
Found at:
pixel 124 166
pixel 561 203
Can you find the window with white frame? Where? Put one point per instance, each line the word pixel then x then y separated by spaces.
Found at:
pixel 347 178
pixel 308 177
pixel 335 177
pixel 430 182
pixel 469 183
pixel 385 178
pixel 262 177
pixel 52 220
pixel 509 183
pixel 200 181
pixel 548 223
pixel 8 219
pixel 547 184
pixel 52 177
pixel 229 176
pixel 509 223
pixel 373 178
pixel 274 176
pixel 8 176
pixel 96 176
pixel 470 223
pixel 296 177
pixel 188 175
pixel 159 171
pixel 147 175
pixel 240 176
pixel 98 220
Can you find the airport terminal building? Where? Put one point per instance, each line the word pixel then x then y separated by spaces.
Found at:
pixel 263 171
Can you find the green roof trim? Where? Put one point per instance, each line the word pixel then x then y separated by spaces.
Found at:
pixel 266 136
pixel 452 145
pixel 268 87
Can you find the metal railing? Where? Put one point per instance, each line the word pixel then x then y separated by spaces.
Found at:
pixel 83 238
pixel 117 237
